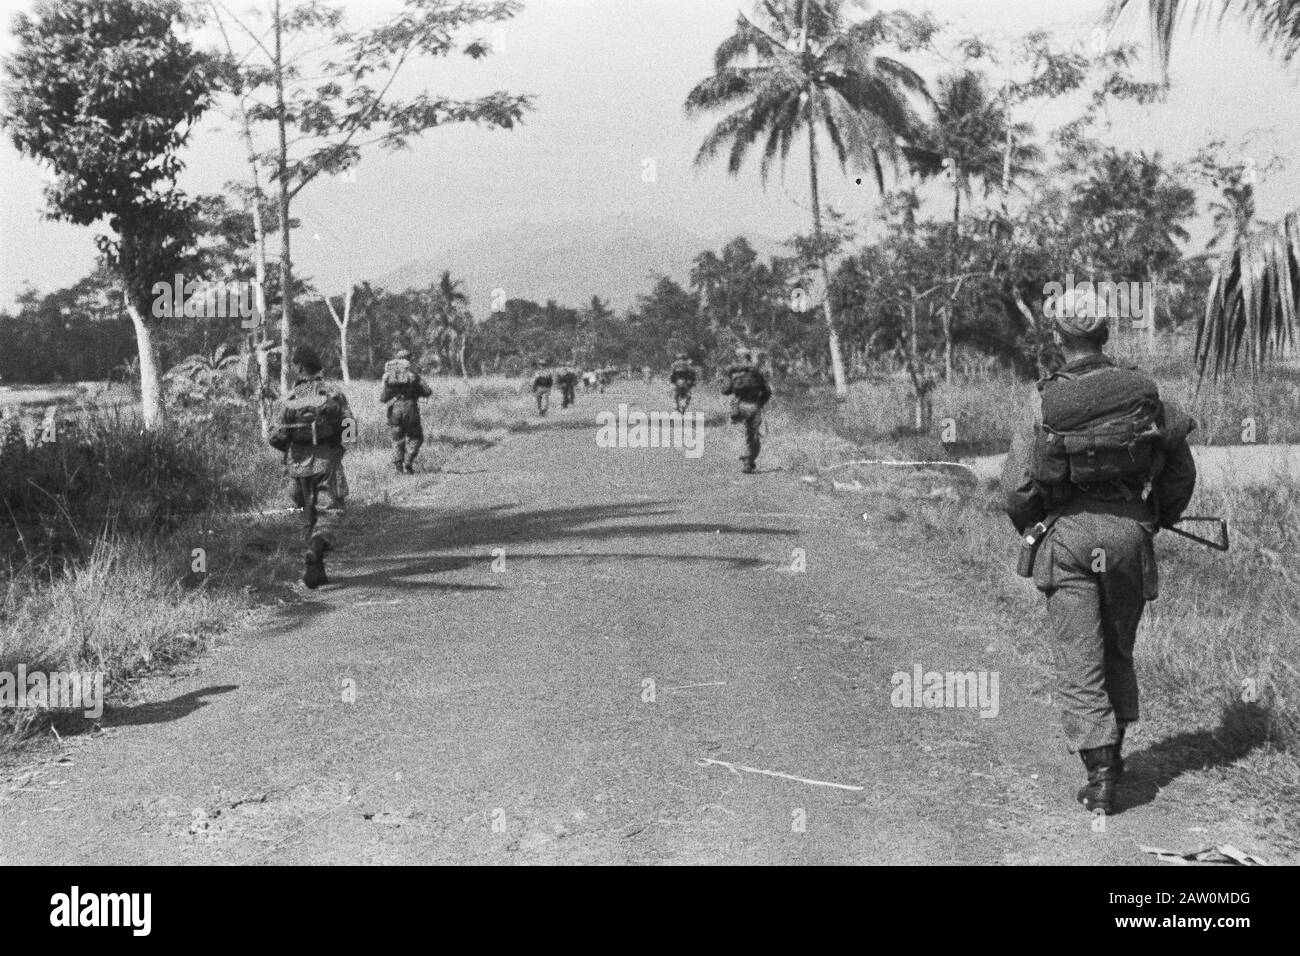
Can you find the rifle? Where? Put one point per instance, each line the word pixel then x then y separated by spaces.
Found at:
pixel 1220 545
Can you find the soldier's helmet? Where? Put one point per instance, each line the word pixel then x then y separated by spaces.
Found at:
pixel 307 359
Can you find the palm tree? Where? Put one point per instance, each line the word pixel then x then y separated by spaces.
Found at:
pixel 967 141
pixel 451 330
pixel 1252 302
pixel 806 67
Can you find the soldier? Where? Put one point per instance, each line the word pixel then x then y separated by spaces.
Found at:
pixel 567 379
pixel 1097 439
pixel 309 430
pixel 542 384
pixel 402 391
pixel 682 379
pixel 749 395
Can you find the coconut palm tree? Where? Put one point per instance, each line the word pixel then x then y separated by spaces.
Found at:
pixel 1252 303
pixel 804 67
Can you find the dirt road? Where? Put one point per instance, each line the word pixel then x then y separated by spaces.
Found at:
pixel 647 620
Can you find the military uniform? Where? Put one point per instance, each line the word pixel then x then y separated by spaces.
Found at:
pixel 682 379
pixel 316 466
pixel 402 390
pixel 747 403
pixel 1096 565
pixel 568 382
pixel 542 384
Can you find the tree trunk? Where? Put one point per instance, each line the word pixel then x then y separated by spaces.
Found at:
pixel 282 176
pixel 151 407
pixel 837 359
pixel 1151 316
pixel 258 339
pixel 952 277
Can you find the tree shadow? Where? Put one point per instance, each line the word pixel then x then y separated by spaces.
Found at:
pixel 74 723
pixel 1242 728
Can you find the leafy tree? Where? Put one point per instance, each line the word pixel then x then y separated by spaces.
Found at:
pixel 967 142
pixel 1130 213
pixel 105 92
pixel 337 106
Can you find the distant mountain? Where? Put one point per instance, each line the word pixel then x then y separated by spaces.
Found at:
pixel 613 258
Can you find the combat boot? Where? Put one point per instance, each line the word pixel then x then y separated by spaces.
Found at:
pixel 409 467
pixel 1099 792
pixel 749 468
pixel 397 467
pixel 314 573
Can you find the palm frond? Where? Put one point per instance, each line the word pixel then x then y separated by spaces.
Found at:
pixel 1252 302
pixel 1275 24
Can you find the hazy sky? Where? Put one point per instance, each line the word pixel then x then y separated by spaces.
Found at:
pixel 610 77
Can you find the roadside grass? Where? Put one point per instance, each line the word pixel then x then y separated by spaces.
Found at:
pixel 1217 652
pixel 101 531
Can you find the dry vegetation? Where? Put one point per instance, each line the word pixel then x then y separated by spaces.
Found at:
pixel 98 528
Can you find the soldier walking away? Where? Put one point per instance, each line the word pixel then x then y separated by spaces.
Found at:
pixel 403 387
pixel 1099 466
pixel 542 384
pixel 749 393
pixel 309 430
pixel 682 379
pixel 567 379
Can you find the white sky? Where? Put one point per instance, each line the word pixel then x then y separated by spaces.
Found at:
pixel 610 77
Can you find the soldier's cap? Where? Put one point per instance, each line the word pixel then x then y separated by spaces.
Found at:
pixel 306 358
pixel 402 354
pixel 681 356
pixel 1078 314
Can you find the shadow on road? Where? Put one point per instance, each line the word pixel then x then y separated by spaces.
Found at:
pixel 1242 728
pixel 72 724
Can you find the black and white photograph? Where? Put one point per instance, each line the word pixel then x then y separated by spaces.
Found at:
pixel 651 433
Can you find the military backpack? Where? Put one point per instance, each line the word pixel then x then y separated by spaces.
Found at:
pixel 399 372
pixel 1100 427
pixel 310 417
pixel 747 384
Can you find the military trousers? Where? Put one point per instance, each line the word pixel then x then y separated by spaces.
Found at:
pixel 405 431
pixel 1098 570
pixel 317 473
pixel 749 414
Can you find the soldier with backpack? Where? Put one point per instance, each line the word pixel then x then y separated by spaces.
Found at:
pixel 682 378
pixel 402 390
pixel 1101 464
pixel 567 379
pixel 749 393
pixel 309 430
pixel 543 382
